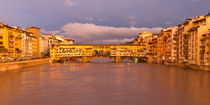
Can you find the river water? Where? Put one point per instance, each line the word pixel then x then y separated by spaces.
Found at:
pixel 104 84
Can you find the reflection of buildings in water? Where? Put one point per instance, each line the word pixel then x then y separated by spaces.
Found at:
pixel 121 80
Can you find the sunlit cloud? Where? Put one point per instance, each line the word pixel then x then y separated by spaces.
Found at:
pixel 88 18
pixel 102 19
pixel 54 32
pixel 70 3
pixel 90 33
pixel 168 23
pixel 133 23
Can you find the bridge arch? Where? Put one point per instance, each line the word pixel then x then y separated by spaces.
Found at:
pixel 102 59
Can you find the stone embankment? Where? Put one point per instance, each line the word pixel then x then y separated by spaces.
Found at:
pixel 188 66
pixel 21 64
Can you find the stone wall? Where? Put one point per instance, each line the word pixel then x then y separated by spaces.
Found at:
pixel 21 64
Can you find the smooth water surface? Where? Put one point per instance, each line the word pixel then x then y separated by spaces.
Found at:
pixel 104 84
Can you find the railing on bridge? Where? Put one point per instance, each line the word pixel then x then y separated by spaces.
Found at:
pixel 77 51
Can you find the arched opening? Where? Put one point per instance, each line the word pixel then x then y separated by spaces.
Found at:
pixel 143 60
pixel 95 53
pixel 101 52
pixel 101 60
pixel 127 60
pixel 68 60
pixel 107 52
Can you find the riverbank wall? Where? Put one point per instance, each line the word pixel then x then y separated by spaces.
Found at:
pixel 21 64
pixel 152 60
pixel 187 66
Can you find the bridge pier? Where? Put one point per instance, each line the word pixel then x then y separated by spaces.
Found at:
pixel 118 59
pixel 84 59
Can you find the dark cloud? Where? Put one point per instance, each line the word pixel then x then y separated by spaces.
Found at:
pixel 52 14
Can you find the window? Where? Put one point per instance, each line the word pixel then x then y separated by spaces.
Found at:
pixel 1 42
pixel 1 37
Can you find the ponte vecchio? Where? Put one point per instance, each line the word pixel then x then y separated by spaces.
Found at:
pixel 85 53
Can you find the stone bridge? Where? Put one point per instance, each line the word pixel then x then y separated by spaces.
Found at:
pixel 85 53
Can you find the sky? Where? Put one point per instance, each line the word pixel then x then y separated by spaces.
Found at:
pixel 100 21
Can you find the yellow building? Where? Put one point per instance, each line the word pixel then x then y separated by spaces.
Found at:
pixel 52 41
pixel 64 40
pixel 36 35
pixel 192 34
pixel 34 47
pixel 205 48
pixel 149 42
pixel 171 44
pixel 10 43
pixel 27 45
pixel 144 40
pixel 161 47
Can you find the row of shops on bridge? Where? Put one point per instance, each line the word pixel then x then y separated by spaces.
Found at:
pixel 78 51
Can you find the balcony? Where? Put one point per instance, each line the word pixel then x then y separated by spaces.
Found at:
pixel 203 45
pixel 202 51
pixel 185 41
pixel 11 51
pixel 175 38
pixel 176 34
pixel 203 39
pixel 194 28
pixel 11 41
pixel 10 35
pixel 11 46
pixel 205 35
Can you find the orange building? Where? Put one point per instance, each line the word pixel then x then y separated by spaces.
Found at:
pixel 36 34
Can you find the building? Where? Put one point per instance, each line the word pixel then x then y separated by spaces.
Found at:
pixel 171 44
pixel 153 46
pixel 21 44
pixel 27 45
pixel 149 42
pixel 205 48
pixel 52 41
pixel 36 35
pixel 10 43
pixel 64 40
pixel 43 43
pixel 192 40
pixel 143 40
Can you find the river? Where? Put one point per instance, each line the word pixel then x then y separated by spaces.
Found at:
pixel 104 84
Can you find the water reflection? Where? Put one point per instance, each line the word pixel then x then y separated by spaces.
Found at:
pixel 104 84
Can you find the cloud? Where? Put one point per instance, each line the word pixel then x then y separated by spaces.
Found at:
pixel 133 23
pixel 133 20
pixel 102 19
pixel 168 23
pixel 55 32
pixel 70 3
pixel 90 33
pixel 88 18
pixel 132 17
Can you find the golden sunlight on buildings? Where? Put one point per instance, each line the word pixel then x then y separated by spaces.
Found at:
pixel 10 42
pixel 187 43
pixel 20 44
